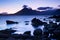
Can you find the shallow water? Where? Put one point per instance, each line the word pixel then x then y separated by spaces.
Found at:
pixel 21 27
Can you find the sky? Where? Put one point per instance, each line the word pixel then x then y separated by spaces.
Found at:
pixel 12 6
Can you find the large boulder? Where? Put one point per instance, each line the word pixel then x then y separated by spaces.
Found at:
pixel 36 22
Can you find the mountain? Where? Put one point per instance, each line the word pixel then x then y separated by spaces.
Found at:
pixel 27 11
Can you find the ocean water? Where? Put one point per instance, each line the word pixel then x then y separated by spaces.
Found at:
pixel 21 27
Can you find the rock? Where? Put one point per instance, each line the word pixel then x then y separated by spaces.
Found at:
pixel 7 31
pixel 27 32
pixel 26 22
pixel 57 32
pixel 10 38
pixel 11 22
pixel 57 17
pixel 37 32
pixel 50 27
pixel 36 22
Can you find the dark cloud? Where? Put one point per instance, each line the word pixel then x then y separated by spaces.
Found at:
pixel 44 8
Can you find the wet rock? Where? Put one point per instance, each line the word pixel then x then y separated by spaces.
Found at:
pixel 11 22
pixel 7 31
pixel 27 35
pixel 27 32
pixel 57 32
pixel 50 27
pixel 26 22
pixel 37 34
pixel 36 22
pixel 57 17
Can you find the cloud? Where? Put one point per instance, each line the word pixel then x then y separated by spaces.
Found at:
pixel 44 8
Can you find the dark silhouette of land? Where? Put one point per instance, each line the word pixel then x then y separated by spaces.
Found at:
pixel 30 11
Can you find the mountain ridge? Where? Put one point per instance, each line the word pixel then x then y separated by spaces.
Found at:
pixel 29 11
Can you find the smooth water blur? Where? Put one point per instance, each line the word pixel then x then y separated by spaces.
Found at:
pixel 21 27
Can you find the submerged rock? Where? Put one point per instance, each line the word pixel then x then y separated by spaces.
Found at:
pixel 11 22
pixel 26 22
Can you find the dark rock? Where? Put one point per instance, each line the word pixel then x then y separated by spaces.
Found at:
pixel 7 31
pixel 50 27
pixel 37 32
pixel 11 22
pixel 27 32
pixel 26 22
pixel 57 32
pixel 10 38
pixel 45 34
pixel 36 22
pixel 57 17
pixel 27 35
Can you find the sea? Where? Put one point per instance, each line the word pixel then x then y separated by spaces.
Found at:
pixel 21 27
